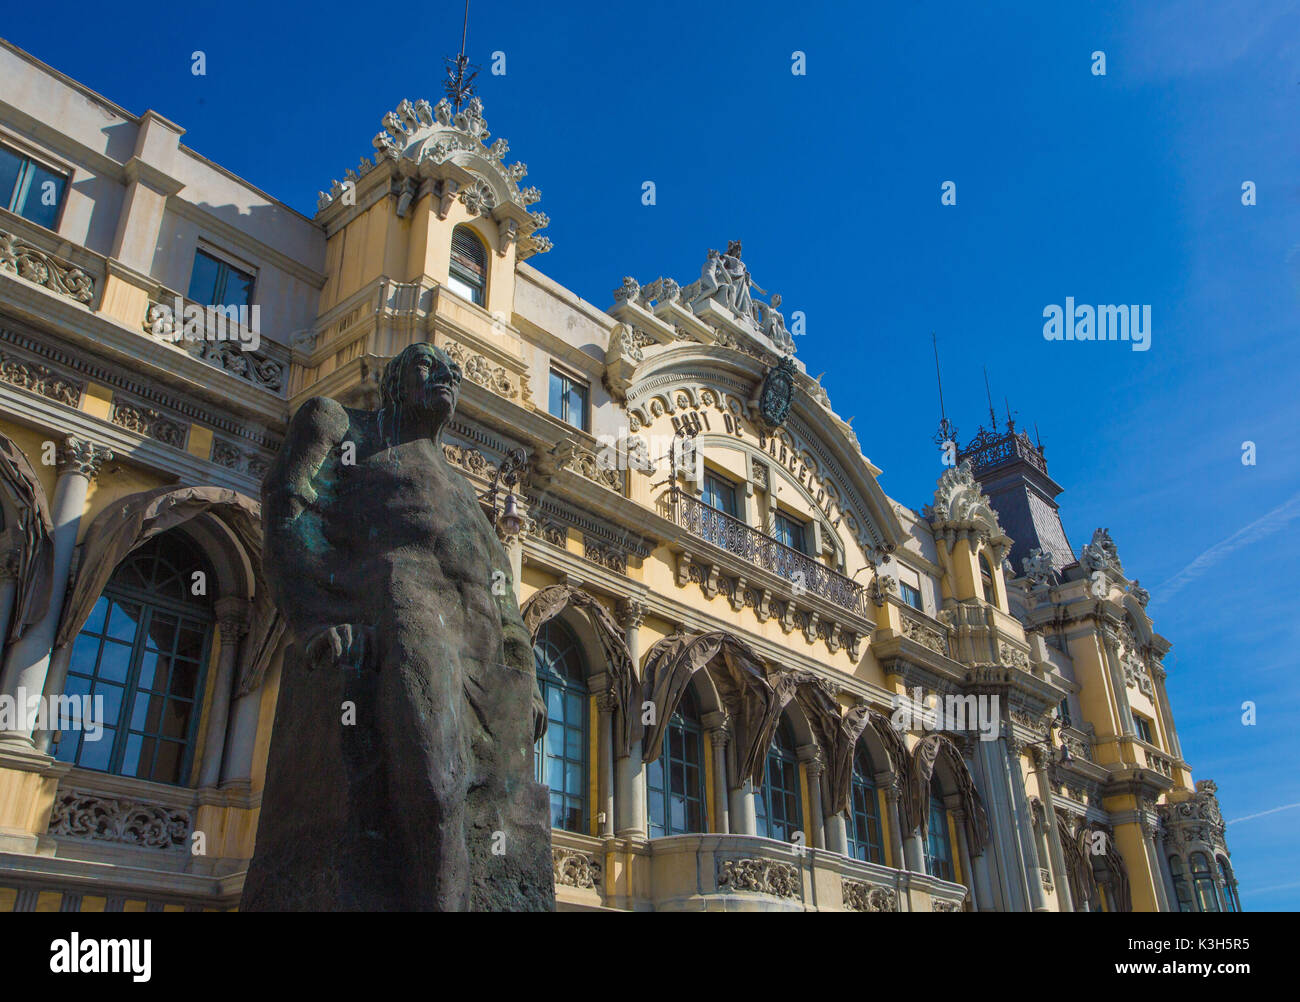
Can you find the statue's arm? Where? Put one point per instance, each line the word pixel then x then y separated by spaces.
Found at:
pixel 299 559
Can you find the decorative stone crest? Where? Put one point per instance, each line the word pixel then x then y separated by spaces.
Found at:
pixel 1101 554
pixel 419 139
pixel 777 393
pixel 1038 566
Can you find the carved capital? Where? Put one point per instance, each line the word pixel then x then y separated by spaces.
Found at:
pixel 631 612
pixel 77 455
pixel 232 617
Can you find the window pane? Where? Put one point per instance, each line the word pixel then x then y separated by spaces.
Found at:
pixel 238 288
pixel 176 719
pixel 95 622
pixel 203 279
pixel 556 406
pixel 44 195
pixel 131 763
pixel 123 620
pixel 11 166
pixel 112 700
pixel 185 675
pixel 84 651
pixel 96 754
pixel 168 767
pixel 115 661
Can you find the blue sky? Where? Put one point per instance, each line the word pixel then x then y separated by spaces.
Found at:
pixel 1122 188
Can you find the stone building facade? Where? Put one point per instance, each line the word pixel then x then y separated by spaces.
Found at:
pixel 770 685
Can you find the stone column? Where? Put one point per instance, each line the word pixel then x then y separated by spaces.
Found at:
pixel 1060 878
pixel 606 702
pixel 837 837
pixel 629 777
pixel 744 815
pixel 892 795
pixel 28 661
pixel 241 732
pixel 1172 744
pixel 1149 824
pixel 963 853
pixel 1024 827
pixel 1110 643
pixel 812 762
pixel 232 623
pixel 718 724
pixel 515 552
pixel 1166 874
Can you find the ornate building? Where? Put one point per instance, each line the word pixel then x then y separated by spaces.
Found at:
pixel 770 685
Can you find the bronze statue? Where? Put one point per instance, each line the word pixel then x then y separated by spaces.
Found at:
pixel 400 774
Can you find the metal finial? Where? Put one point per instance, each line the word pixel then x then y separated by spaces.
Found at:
pixel 993 418
pixel 947 430
pixel 459 86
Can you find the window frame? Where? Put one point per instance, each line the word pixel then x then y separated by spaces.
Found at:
pixel 689 726
pixel 778 516
pixel 729 486
pixel 569 380
pixel 567 641
pixel 863 781
pixel 782 751
pixel 938 811
pixel 1143 727
pixel 458 273
pixel 226 263
pixel 903 588
pixel 28 158
pixel 149 602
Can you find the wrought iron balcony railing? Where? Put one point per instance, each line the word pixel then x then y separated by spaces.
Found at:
pixel 734 536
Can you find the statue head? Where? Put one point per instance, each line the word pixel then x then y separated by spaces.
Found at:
pixel 421 385
pixel 733 248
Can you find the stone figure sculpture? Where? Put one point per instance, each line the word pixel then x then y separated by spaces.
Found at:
pixel 400 774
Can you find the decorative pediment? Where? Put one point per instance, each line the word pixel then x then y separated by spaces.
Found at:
pixel 438 142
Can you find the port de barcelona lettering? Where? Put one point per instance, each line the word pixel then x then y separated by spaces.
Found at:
pixel 690 423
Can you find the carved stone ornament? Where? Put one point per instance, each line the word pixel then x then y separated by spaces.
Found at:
pixel 936 905
pixel 417 136
pixel 761 876
pixel 1101 554
pixel 82 814
pixel 1038 566
pixel 574 868
pixel 862 897
pixel 35 265
pixel 777 393
pixel 82 457
pixel 38 379
pixel 148 422
pixel 960 503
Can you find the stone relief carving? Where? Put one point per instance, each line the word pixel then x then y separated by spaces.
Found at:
pixel 925 635
pixel 861 897
pixel 763 876
pixel 1038 566
pixel 231 456
pixel 944 906
pixel 35 265
pixel 574 868
pixel 148 422
pixel 38 379
pixel 82 814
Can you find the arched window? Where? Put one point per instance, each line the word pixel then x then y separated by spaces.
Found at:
pixel 1232 903
pixel 561 754
pixel 468 274
pixel 144 651
pixel 938 846
pixel 864 811
pixel 986 579
pixel 1203 883
pixel 1182 891
pixel 675 780
pixel 778 806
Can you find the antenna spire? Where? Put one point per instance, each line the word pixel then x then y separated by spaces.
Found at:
pixel 993 418
pixel 947 430
pixel 459 85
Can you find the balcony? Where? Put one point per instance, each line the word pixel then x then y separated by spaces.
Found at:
pixel 731 534
pixel 734 873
